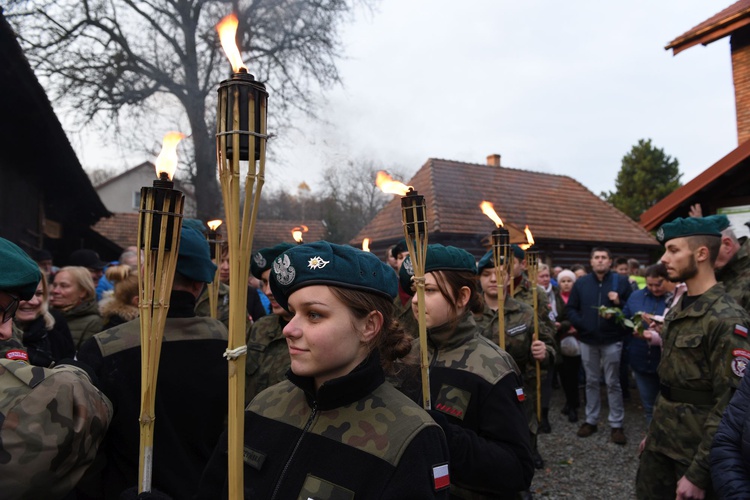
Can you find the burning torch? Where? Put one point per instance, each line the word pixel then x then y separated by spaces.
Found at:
pixel 159 226
pixel 214 242
pixel 532 268
pixel 501 256
pixel 240 137
pixel 413 217
pixel 297 233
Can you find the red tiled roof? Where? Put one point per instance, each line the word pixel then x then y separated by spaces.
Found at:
pixel 657 214
pixel 555 207
pixel 716 27
pixel 122 228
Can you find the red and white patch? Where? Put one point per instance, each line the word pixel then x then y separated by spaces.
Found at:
pixel 741 331
pixel 740 360
pixel 441 477
pixel 520 395
pixel 17 355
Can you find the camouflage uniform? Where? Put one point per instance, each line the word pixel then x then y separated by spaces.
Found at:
pixel 52 421
pixel 477 388
pixel 84 321
pixel 519 334
pixel 523 292
pixel 705 353
pixel 267 356
pixel 736 276
pixel 355 437
pixel 203 306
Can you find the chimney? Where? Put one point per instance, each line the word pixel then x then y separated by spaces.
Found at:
pixel 493 160
pixel 740 43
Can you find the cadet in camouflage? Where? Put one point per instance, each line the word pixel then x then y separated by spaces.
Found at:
pixel 706 350
pixel 733 266
pixel 476 388
pixel 51 420
pixel 267 353
pixel 335 429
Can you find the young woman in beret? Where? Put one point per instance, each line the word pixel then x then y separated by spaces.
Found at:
pixel 336 428
pixel 475 387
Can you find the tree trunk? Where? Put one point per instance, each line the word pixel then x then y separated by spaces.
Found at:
pixel 207 192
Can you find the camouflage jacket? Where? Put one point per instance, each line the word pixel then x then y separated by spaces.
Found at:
pixel 84 322
pixel 523 292
pixel 736 276
pixel 267 356
pixel 203 305
pixel 355 437
pixel 477 388
pixel 519 333
pixel 51 424
pixel 705 353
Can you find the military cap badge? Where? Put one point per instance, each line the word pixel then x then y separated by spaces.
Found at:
pixel 283 270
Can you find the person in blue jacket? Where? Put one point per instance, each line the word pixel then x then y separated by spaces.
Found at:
pixel 730 453
pixel 601 339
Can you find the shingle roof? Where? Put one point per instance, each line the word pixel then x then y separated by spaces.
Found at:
pixel 556 207
pixel 714 28
pixel 122 228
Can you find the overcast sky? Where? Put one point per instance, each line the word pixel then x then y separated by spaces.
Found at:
pixel 559 87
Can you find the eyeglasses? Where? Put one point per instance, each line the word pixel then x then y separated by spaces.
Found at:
pixel 9 311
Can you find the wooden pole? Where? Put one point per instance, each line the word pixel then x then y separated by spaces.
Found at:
pixel 500 254
pixel 532 261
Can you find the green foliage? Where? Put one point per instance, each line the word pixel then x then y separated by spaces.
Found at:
pixel 646 176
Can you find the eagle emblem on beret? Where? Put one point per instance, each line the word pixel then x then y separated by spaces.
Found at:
pixel 317 263
pixel 660 234
pixel 283 270
pixel 259 260
pixel 408 267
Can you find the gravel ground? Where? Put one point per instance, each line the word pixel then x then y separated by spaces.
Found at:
pixel 592 467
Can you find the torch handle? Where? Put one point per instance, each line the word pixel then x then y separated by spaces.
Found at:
pixel 423 358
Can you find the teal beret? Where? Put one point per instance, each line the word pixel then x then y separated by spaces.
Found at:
pixel 323 263
pixel 690 226
pixel 486 262
pixel 721 221
pixel 194 258
pixel 18 272
pixel 518 252
pixel 439 258
pixel 194 224
pixel 263 258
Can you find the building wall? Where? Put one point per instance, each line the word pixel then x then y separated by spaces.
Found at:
pixel 740 42
pixel 122 195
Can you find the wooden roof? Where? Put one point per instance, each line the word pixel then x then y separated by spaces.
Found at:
pixel 556 207
pixel 122 228
pixel 716 27
pixel 726 180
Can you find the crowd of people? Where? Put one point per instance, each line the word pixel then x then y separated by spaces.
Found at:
pixel 334 388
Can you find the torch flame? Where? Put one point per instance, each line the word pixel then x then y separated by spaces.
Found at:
pixel 227 29
pixel 166 162
pixel 297 233
pixel 386 184
pixel 529 239
pixel 213 225
pixel 489 210
pixel 366 244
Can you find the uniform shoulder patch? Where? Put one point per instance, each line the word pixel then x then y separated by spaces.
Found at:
pixel 441 477
pixel 520 394
pixel 740 360
pixel 17 355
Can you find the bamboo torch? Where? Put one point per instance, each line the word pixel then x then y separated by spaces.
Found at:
pixel 159 225
pixel 501 257
pixel 532 268
pixel 214 243
pixel 240 141
pixel 413 217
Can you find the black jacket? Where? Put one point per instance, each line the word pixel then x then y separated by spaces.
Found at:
pixel 46 347
pixel 357 436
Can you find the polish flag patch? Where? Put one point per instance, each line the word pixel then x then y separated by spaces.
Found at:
pixel 17 355
pixel 741 331
pixel 520 395
pixel 441 477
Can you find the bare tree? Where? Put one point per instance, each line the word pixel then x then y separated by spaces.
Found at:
pixel 123 62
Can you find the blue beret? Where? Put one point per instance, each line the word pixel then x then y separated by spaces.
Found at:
pixel 721 221
pixel 194 258
pixel 439 258
pixel 18 272
pixel 263 258
pixel 689 226
pixel 323 263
